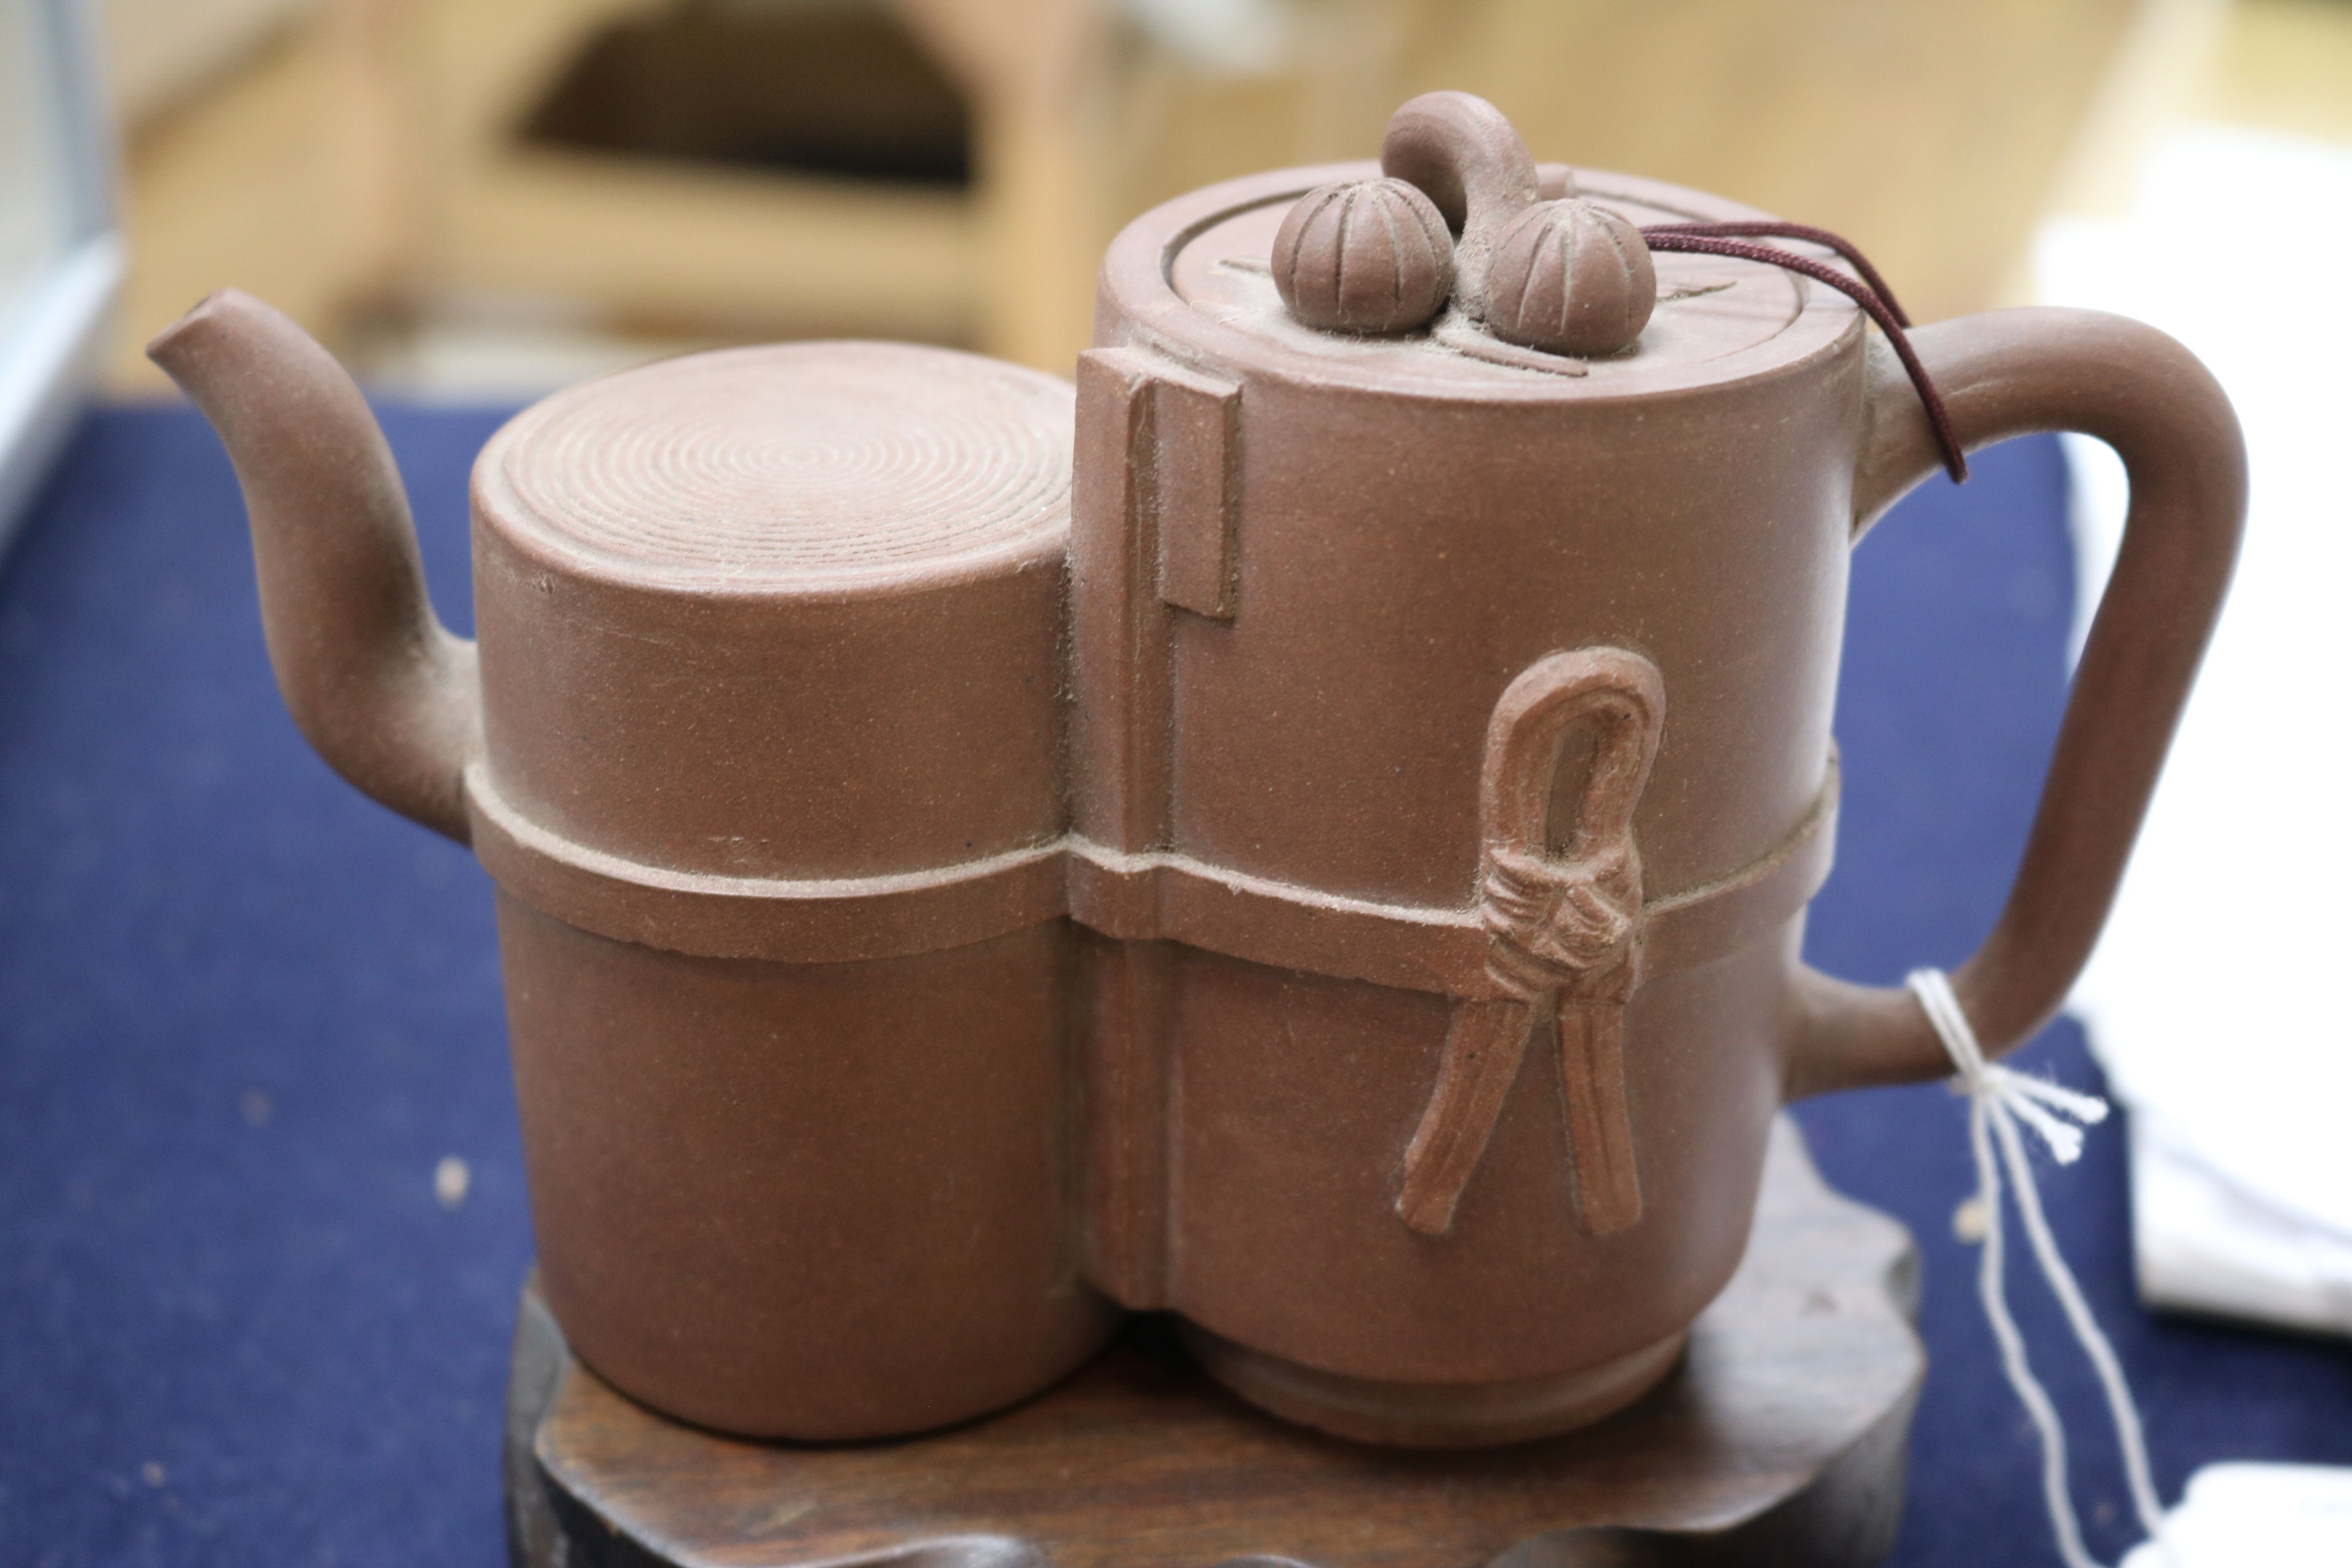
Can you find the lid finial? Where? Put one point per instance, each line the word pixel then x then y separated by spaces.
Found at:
pixel 1465 156
pixel 1365 256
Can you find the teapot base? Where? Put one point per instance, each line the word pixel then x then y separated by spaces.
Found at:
pixel 1778 1438
pixel 1433 1414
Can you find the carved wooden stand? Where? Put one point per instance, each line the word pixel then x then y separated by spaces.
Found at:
pixel 1781 1440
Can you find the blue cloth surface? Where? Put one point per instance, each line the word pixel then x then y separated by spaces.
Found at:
pixel 244 1014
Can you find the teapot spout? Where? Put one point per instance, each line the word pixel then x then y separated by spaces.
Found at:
pixel 383 691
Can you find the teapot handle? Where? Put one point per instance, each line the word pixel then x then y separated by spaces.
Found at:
pixel 2010 373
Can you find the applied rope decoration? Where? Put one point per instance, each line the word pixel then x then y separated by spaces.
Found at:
pixel 1999 1099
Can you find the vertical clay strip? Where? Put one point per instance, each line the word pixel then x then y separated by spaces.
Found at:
pixel 1483 1046
pixel 1600 1127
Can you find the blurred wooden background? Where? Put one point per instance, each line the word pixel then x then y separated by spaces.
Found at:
pixel 451 191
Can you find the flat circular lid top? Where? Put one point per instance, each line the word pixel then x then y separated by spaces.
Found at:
pixel 1717 319
pixel 800 466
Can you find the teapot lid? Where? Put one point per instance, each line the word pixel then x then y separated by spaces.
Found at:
pixel 823 468
pixel 1196 273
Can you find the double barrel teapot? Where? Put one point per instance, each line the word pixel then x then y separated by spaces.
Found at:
pixel 1309 831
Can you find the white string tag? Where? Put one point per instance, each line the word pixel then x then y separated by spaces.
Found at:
pixel 1998 1100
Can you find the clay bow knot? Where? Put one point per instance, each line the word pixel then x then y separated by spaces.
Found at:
pixel 1563 935
pixel 1556 924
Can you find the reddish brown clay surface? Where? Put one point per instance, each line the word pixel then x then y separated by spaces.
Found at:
pixel 1320 846
pixel 1780 1440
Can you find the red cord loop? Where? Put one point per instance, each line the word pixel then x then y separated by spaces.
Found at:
pixel 1774 229
pixel 1870 292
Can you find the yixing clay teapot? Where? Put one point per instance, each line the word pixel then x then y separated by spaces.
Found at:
pixel 1313 835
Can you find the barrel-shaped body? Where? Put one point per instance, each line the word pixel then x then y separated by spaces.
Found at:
pixel 769 643
pixel 1396 530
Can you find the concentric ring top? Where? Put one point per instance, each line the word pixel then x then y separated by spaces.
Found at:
pixel 800 466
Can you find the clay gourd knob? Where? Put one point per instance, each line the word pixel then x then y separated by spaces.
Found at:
pixel 1370 256
pixel 1570 278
